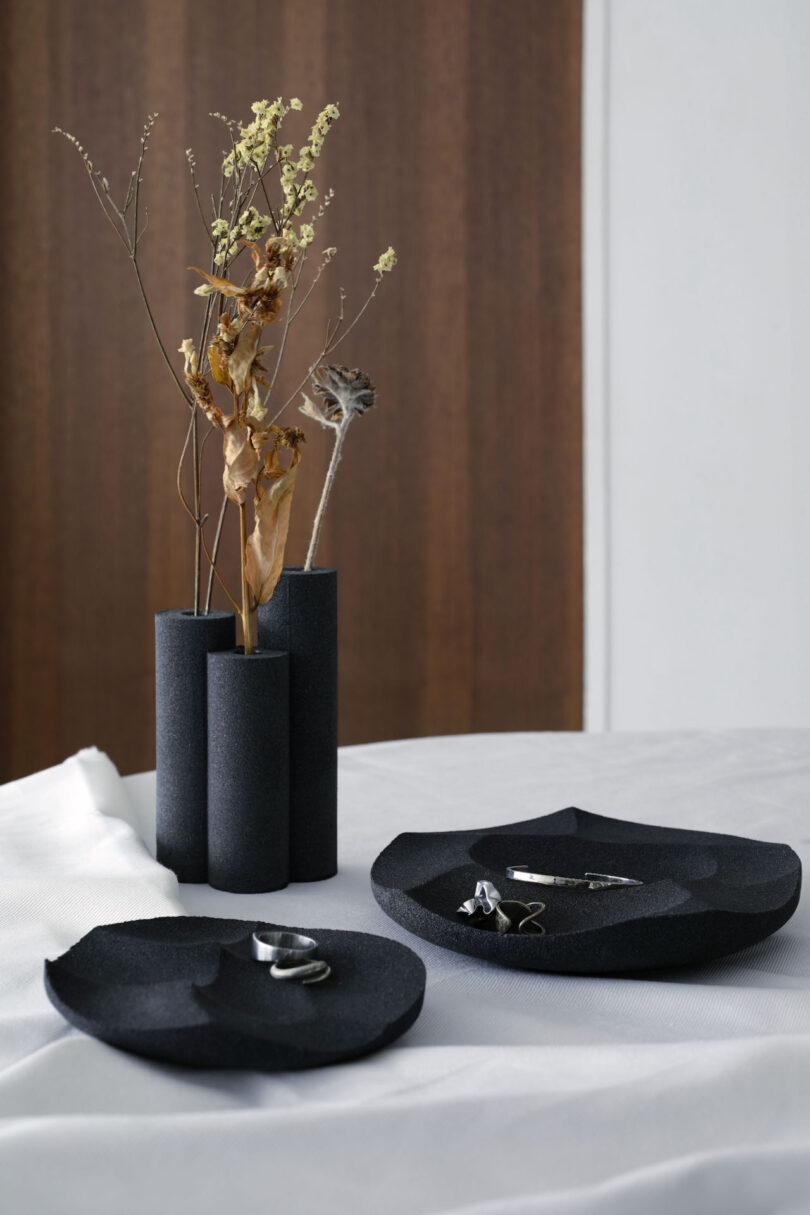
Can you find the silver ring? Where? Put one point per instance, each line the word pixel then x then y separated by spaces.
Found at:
pixel 309 972
pixel 591 881
pixel 285 947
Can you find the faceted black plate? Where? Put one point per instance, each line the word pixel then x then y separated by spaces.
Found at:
pixel 704 895
pixel 185 989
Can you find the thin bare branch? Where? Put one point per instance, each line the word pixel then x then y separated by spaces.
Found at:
pixel 196 191
pixel 215 551
pixel 312 365
pixel 147 130
pixel 212 562
pixel 334 344
pixel 312 286
pixel 188 399
pixel 287 322
pixel 179 477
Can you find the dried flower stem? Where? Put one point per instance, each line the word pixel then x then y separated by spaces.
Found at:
pixel 248 615
pixel 340 435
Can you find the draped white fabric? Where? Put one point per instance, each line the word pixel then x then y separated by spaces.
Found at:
pixel 514 1093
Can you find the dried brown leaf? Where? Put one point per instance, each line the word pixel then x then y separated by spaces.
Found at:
pixel 267 541
pixel 255 410
pixel 216 283
pixel 219 363
pixel 241 461
pixel 240 363
pixel 255 252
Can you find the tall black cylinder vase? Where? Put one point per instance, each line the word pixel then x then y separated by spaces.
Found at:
pixel 301 618
pixel 182 644
pixel 248 771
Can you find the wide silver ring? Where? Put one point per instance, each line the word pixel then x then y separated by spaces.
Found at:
pixel 290 948
pixel 591 881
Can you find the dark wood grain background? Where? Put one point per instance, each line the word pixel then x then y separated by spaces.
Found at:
pixel 456 522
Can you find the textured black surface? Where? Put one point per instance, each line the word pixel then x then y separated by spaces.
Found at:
pixel 185 989
pixel 302 619
pixel 182 643
pixel 704 895
pixel 248 771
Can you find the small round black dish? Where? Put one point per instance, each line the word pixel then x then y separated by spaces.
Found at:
pixel 703 895
pixel 185 989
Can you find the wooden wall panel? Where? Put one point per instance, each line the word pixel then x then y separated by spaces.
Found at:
pixel 456 520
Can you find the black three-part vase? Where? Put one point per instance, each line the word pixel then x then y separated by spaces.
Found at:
pixel 247 744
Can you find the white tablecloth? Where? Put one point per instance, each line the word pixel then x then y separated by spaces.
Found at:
pixel 683 1092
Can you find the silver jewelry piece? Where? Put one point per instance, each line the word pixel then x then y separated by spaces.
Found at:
pixel 486 900
pixel 591 881
pixel 284 947
pixel 291 954
pixel 308 972
pixel 511 911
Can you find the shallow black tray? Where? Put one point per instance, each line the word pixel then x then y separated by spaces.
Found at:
pixel 185 989
pixel 704 895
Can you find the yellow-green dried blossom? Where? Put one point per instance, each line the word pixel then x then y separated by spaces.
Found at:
pixel 307 235
pixel 257 138
pixel 386 261
pixel 259 226
pixel 296 103
pixel 251 224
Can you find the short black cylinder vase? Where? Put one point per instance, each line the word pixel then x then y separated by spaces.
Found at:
pixel 301 618
pixel 248 771
pixel 182 644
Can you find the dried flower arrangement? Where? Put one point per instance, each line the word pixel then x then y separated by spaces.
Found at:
pixel 261 458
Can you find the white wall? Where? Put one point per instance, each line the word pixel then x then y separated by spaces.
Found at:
pixel 697 360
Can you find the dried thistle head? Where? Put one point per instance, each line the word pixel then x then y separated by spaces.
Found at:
pixel 343 392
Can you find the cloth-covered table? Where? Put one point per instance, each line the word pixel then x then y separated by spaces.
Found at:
pixel 514 1093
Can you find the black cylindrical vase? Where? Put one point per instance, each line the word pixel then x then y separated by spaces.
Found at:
pixel 182 644
pixel 248 771
pixel 301 618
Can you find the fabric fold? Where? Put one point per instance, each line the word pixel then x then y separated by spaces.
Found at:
pixel 70 859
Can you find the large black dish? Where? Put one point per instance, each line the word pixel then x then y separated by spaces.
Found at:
pixel 704 895
pixel 186 990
